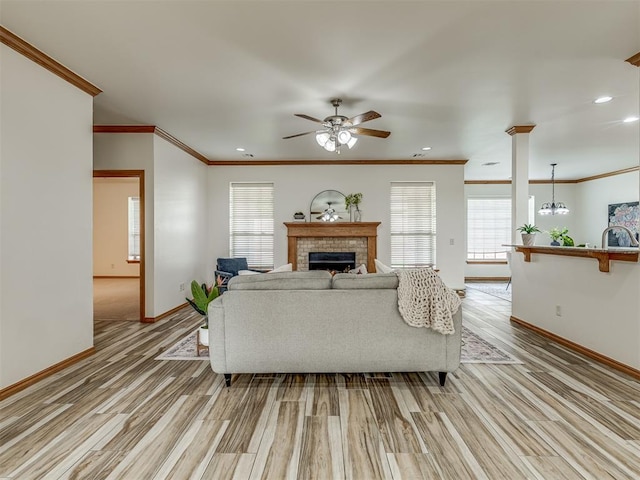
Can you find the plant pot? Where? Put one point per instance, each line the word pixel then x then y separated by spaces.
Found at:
pixel 555 243
pixel 357 215
pixel 528 239
pixel 203 336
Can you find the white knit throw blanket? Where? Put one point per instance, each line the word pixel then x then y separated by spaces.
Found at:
pixel 425 301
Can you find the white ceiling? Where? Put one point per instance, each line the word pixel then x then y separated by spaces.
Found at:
pixel 452 75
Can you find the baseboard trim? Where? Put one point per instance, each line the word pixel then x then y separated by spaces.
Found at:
pixel 27 382
pixel 486 279
pixel 164 315
pixel 576 347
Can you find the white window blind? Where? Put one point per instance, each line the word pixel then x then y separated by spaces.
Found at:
pixel 251 223
pixel 488 228
pixel 134 228
pixel 413 224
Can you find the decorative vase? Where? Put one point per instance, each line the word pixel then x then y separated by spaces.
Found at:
pixel 555 243
pixel 351 213
pixel 357 215
pixel 528 239
pixel 203 336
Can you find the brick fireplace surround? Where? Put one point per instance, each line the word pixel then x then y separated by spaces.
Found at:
pixel 305 237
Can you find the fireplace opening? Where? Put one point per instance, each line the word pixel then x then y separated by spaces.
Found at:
pixel 332 261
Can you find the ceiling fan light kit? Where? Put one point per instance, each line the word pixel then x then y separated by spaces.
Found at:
pixel 339 130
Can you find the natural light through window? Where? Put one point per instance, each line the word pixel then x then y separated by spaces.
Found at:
pixel 134 228
pixel 413 224
pixel 488 228
pixel 251 223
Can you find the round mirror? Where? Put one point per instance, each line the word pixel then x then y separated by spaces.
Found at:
pixel 328 206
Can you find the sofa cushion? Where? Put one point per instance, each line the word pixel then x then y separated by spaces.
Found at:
pixel 347 281
pixel 313 280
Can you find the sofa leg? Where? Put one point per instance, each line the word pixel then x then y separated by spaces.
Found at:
pixel 227 379
pixel 442 376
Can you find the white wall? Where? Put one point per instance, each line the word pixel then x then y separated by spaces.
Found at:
pixel 180 226
pixel 175 212
pixel 111 226
pixel 46 308
pixel 594 198
pixel 295 187
pixel 132 151
pixel 598 310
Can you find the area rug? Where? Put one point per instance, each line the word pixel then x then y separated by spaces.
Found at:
pixel 499 290
pixel 475 349
pixel 185 349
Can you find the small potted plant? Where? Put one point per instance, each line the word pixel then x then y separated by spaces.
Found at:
pixel 202 297
pixel 298 216
pixel 558 236
pixel 353 200
pixel 528 232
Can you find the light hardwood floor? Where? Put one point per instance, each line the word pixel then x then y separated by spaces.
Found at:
pixel 123 415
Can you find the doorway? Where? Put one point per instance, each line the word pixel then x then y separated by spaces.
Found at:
pixel 118 239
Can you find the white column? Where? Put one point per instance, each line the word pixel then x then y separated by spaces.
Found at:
pixel 519 177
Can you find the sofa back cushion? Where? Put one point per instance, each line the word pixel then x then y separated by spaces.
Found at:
pixel 349 281
pixel 313 280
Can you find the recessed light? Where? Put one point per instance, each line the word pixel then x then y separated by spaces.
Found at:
pixel 603 99
pixel 426 148
pixel 240 149
pixel 630 119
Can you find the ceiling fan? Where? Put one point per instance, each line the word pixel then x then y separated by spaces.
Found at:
pixel 338 130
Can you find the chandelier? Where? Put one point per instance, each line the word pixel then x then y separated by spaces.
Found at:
pixel 553 208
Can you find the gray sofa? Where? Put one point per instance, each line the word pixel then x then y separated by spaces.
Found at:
pixel 311 322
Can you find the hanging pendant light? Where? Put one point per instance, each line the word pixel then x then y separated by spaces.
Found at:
pixel 553 208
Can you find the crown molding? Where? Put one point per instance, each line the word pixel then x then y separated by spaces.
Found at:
pixel 519 129
pixel 508 182
pixel 124 129
pixel 270 163
pixel 541 182
pixel 151 129
pixel 182 146
pixel 608 174
pixel 634 60
pixel 16 43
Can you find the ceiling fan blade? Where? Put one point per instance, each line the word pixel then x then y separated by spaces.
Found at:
pixel 364 117
pixel 302 115
pixel 370 132
pixel 298 135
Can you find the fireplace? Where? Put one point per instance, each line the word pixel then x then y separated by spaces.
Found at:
pixel 337 261
pixel 305 237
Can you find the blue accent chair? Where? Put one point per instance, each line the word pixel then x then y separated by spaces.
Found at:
pixel 227 268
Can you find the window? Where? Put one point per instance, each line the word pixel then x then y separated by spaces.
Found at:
pixel 488 228
pixel 413 224
pixel 134 228
pixel 251 223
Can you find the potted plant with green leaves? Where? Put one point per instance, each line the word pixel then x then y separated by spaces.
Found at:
pixel 352 201
pixel 561 237
pixel 202 297
pixel 528 232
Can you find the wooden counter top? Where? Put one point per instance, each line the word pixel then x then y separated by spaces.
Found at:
pixel 604 256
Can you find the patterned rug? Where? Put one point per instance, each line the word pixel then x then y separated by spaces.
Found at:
pixel 185 349
pixel 496 290
pixel 475 349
